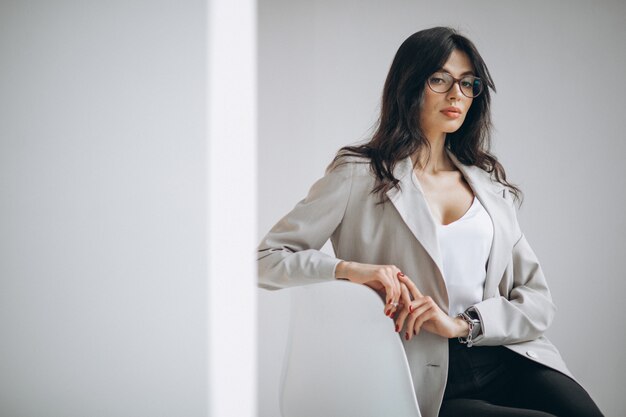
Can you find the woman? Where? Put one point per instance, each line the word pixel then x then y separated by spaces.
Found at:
pixel 423 214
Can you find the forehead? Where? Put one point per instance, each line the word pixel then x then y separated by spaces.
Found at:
pixel 458 64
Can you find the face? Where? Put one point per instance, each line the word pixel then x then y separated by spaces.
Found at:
pixel 435 122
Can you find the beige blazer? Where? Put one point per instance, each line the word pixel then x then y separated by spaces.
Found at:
pixel 516 309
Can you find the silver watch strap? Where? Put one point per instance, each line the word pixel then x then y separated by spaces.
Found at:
pixel 471 318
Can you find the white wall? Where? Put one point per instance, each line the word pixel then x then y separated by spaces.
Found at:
pixel 559 128
pixel 106 243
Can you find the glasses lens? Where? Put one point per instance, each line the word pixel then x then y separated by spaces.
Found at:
pixel 471 86
pixel 440 82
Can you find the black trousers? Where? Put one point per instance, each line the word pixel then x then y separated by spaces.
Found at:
pixel 486 381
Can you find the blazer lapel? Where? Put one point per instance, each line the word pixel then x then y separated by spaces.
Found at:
pixel 491 194
pixel 412 206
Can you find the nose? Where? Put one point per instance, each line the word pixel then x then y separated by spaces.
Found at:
pixel 455 91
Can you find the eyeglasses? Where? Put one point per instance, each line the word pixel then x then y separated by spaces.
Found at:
pixel 442 82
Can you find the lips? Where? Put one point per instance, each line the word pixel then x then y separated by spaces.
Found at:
pixel 451 110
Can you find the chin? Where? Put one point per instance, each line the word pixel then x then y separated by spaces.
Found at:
pixel 452 129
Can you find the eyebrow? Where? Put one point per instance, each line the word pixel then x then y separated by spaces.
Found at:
pixel 450 72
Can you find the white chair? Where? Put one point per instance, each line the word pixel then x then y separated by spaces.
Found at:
pixel 342 356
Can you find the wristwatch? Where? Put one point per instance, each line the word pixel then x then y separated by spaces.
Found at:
pixel 473 320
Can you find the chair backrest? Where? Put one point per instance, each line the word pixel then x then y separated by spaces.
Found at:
pixel 273 328
pixel 343 357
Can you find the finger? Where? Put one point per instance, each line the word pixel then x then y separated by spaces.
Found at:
pixel 389 295
pixel 387 309
pixel 394 291
pixel 415 292
pixel 423 318
pixel 416 308
pixel 428 301
pixel 388 291
pixel 402 315
pixel 397 292
pixel 398 286
pixel 403 307
pixel 405 296
pixel 414 325
pixel 392 307
pixel 383 295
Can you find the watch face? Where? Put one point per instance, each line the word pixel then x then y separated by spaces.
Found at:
pixel 473 314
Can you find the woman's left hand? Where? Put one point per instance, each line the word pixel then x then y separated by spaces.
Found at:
pixel 424 313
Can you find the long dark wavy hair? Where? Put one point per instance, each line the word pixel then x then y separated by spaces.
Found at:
pixel 398 133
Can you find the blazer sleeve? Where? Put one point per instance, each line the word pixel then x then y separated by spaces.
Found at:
pixel 290 252
pixel 528 310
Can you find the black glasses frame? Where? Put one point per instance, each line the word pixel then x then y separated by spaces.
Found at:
pixel 456 81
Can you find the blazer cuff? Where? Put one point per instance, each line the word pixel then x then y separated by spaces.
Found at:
pixel 492 326
pixel 334 263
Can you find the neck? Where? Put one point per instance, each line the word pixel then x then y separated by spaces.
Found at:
pixel 438 159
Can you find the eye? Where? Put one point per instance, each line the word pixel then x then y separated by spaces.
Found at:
pixel 467 83
pixel 436 80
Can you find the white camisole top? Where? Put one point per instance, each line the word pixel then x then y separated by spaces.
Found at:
pixel 464 246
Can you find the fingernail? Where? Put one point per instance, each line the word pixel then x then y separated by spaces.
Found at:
pixel 397 328
pixel 406 335
pixel 414 331
pixel 400 274
pixel 388 313
pixel 410 309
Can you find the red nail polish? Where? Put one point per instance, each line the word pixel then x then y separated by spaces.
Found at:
pixel 410 309
pixel 397 328
pixel 400 274
pixel 406 335
pixel 388 313
pixel 414 331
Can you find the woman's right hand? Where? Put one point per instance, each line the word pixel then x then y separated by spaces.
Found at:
pixel 380 278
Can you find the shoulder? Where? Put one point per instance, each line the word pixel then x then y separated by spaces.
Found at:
pixel 349 165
